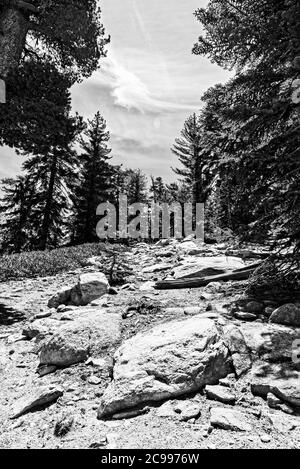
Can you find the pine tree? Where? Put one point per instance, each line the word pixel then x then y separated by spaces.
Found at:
pixel 136 183
pixel 195 159
pixel 15 208
pixel 98 179
pixel 159 190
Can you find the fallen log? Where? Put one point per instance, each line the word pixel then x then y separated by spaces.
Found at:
pixel 237 275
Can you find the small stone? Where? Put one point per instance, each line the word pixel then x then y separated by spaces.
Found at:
pixel 221 394
pixel 245 316
pixel 94 380
pixel 225 382
pixel 273 401
pixel 229 419
pixel 191 311
pixel 187 410
pixel 39 398
pixel 66 317
pixel 265 438
pixel 43 315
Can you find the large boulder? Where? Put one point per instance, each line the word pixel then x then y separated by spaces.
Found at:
pixel 168 361
pixel 90 287
pixel 207 266
pixel 288 315
pixel 89 334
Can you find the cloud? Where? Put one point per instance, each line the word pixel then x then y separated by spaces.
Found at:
pixel 130 92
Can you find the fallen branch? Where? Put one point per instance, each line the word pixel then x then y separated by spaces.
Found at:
pixel 238 275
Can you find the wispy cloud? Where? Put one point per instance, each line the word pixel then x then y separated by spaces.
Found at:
pixel 130 92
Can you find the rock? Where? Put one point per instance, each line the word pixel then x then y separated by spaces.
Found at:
pixel 66 317
pixel 191 248
pixel 61 297
pixel 280 380
pixel 229 419
pixel 282 423
pixel 265 438
pixel 156 268
pixel 245 316
pixel 90 287
pixel 147 286
pixel 221 394
pixel 170 360
pixel 38 398
pixel 190 311
pixel 214 287
pixel 255 307
pixel 66 309
pixel 206 266
pixel 46 370
pixel 225 382
pixel 270 342
pixel 43 315
pixel 180 410
pixel 94 380
pixel 89 334
pixel 63 424
pixel 236 343
pixel 95 261
pixel 288 315
pixel 131 414
pixel 187 410
pixel 273 401
pixel 39 328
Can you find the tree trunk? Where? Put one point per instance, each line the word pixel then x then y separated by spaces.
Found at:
pixel 14 26
pixel 48 207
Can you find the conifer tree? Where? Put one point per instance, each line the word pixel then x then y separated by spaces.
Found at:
pixel 195 159
pixel 97 181
pixel 15 207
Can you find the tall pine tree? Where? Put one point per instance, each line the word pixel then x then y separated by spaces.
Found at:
pixel 97 179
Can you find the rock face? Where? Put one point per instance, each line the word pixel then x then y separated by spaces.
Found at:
pixel 39 398
pixel 168 361
pixel 280 380
pixel 91 332
pixel 90 287
pixel 229 419
pixel 288 315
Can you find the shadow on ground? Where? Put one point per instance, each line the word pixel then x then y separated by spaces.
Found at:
pixel 9 316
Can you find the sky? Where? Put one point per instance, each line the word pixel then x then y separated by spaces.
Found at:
pixel 147 86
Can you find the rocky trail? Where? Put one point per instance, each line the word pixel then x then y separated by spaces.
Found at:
pixel 84 365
